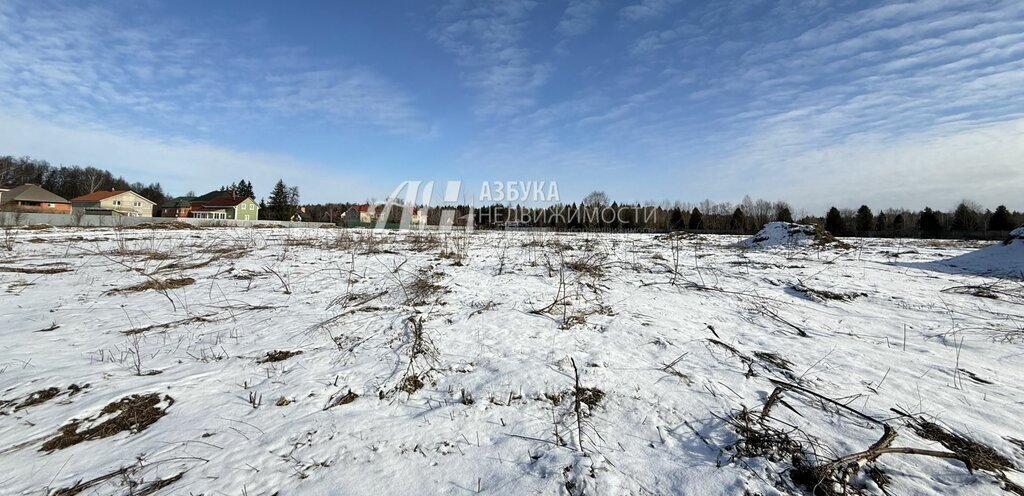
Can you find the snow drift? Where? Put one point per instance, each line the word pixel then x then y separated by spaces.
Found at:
pixel 788 234
pixel 1004 259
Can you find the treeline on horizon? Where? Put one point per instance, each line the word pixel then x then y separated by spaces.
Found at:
pixel 968 220
pixel 73 181
pixel 70 181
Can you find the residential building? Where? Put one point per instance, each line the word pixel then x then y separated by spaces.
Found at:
pixel 419 217
pixel 32 198
pixel 360 214
pixel 177 207
pixel 202 200
pixel 368 214
pixel 125 203
pixel 227 207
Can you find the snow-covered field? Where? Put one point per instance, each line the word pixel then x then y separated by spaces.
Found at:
pixel 263 361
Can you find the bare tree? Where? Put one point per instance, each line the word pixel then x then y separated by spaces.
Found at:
pixel 596 199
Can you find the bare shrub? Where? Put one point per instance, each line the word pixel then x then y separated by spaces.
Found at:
pixel 456 247
pixel 9 221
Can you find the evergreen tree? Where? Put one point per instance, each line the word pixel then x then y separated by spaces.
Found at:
pixel 1000 220
pixel 696 219
pixel 675 220
pixel 834 222
pixel 864 219
pixel 965 219
pixel 784 215
pixel 898 223
pixel 929 223
pixel 738 220
pixel 280 202
pixel 881 222
pixel 244 189
pixel 574 220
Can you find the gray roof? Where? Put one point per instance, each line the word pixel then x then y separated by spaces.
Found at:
pixel 31 193
pixel 181 201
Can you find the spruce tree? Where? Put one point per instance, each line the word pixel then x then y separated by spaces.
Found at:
pixel 898 223
pixel 675 220
pixel 784 215
pixel 280 206
pixel 965 219
pixel 738 220
pixel 929 223
pixel 834 222
pixel 1000 220
pixel 864 219
pixel 881 222
pixel 696 219
pixel 244 189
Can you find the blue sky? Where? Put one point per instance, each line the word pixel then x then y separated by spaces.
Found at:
pixel 817 103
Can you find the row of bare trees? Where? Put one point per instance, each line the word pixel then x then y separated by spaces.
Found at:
pixel 70 181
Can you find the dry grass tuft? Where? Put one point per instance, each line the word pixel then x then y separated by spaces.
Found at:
pixel 977 456
pixel 822 294
pixel 55 269
pixel 131 414
pixel 341 399
pixel 156 285
pixel 166 226
pixel 38 398
pixel 278 356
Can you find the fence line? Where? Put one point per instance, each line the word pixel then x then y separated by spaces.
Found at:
pixel 66 220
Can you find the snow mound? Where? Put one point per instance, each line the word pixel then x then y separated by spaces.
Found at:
pixel 1004 259
pixel 788 234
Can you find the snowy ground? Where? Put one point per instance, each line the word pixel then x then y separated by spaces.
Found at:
pixel 519 363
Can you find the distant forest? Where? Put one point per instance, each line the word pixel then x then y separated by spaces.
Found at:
pixel 596 212
pixel 70 181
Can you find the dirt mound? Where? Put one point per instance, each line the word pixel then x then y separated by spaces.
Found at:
pixel 790 234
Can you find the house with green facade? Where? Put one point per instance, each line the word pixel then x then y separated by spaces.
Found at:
pixel 227 207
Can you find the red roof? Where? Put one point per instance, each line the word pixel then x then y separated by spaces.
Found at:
pixel 226 201
pixel 99 195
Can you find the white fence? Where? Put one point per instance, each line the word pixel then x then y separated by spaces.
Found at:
pixel 66 220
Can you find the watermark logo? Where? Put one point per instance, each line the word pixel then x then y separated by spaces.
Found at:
pixel 516 191
pixel 416 203
pixel 503 204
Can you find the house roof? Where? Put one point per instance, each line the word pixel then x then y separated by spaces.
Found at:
pixel 99 195
pixel 181 201
pixel 210 196
pixel 103 195
pixel 226 201
pixel 31 193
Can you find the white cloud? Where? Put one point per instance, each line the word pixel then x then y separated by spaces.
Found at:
pixel 937 168
pixel 122 66
pixel 646 9
pixel 487 41
pixel 579 17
